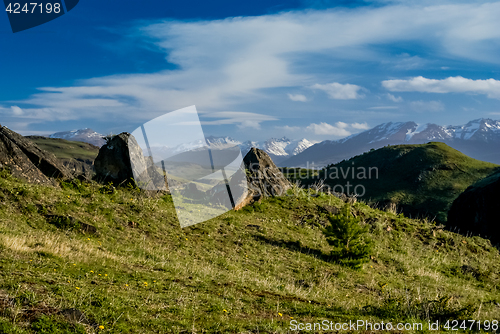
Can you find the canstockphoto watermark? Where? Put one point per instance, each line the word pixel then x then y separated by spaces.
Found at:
pixel 25 14
pixel 346 179
pixel 356 325
pixel 171 153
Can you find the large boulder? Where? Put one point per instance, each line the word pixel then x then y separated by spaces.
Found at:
pixel 259 178
pixel 476 209
pixel 27 161
pixel 122 160
pixel 263 176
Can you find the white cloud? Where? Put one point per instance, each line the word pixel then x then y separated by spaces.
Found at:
pixel 407 62
pixel 394 98
pixel 16 110
pixel 297 97
pixel 288 128
pixel 322 130
pixel 337 130
pixel 424 106
pixel 241 119
pixel 339 91
pixel 383 107
pixel 360 126
pixel 223 64
pixel 489 87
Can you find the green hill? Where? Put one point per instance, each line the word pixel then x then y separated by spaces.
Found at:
pixel 65 149
pixel 85 255
pixel 422 180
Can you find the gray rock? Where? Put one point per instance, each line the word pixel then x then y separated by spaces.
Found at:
pixel 263 176
pixel 122 160
pixel 27 161
pixel 262 179
pixel 79 168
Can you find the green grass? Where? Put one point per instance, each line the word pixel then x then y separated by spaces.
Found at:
pixel 250 270
pixel 65 149
pixel 422 180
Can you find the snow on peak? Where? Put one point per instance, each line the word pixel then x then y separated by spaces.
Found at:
pixel 413 131
pixel 298 146
pixel 278 146
pixel 85 135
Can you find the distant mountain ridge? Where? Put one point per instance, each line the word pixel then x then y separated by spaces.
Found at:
pixel 479 139
pixel 277 148
pixel 84 135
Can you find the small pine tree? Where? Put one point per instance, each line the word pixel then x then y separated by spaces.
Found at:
pixel 352 245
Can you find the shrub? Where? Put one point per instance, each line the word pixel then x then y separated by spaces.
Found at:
pixel 352 245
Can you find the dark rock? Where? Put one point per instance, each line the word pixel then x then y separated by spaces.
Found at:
pixel 241 193
pixel 333 210
pixel 70 223
pixel 27 161
pixel 258 227
pixel 263 176
pixel 120 157
pixel 476 209
pixel 81 169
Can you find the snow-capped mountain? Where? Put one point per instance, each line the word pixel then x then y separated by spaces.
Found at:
pixel 298 146
pixel 84 135
pixel 278 148
pixel 479 139
pixel 221 142
pixel 478 129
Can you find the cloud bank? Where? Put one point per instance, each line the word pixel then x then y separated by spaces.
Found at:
pixel 488 87
pixel 242 62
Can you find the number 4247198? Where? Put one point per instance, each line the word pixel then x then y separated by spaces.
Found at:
pixel 455 325
pixel 33 7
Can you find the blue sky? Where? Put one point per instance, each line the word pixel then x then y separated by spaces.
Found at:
pixel 256 69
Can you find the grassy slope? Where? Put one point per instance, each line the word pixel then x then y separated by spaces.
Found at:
pixel 249 270
pixel 422 179
pixel 65 149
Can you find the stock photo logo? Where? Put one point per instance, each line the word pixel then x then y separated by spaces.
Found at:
pixel 29 14
pixel 171 153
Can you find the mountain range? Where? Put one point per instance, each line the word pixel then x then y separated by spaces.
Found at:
pixel 278 148
pixel 479 139
pixel 85 135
